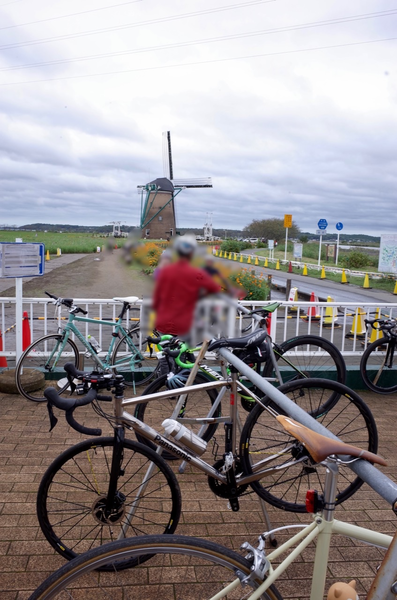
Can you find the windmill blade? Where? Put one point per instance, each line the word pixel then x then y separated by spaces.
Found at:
pixel 167 156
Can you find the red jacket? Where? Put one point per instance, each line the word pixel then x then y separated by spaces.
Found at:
pixel 175 295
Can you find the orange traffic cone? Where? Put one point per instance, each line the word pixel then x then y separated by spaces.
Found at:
pixel 26 340
pixel 3 360
pixel 311 311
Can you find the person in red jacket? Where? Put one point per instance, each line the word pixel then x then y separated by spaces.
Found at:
pixel 178 288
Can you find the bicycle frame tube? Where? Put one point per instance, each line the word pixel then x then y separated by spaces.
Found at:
pixel 384 486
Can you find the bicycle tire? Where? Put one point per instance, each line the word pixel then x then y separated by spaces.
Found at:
pixel 180 567
pixel 36 359
pixel 326 363
pixel 350 419
pixel 197 404
pixel 73 491
pixel 135 372
pixel 376 375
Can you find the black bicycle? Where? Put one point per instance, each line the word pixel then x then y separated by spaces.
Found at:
pixel 377 366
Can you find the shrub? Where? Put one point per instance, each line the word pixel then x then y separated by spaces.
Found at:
pixel 355 260
pixel 256 286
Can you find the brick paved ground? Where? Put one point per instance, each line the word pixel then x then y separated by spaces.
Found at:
pixel 26 448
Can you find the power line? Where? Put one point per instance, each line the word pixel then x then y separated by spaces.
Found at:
pixel 138 24
pixel 288 28
pixel 84 12
pixel 202 62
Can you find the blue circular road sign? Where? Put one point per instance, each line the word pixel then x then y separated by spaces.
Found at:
pixel 322 224
pixel 339 226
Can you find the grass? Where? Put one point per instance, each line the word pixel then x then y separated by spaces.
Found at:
pixel 386 283
pixel 69 243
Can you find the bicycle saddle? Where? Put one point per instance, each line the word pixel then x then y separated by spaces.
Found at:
pixel 127 299
pixel 320 447
pixel 253 339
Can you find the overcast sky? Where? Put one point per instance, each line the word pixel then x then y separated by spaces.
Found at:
pixel 289 105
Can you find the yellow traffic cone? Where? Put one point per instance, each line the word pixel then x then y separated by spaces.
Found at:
pixel 59 252
pixel 323 276
pixel 235 256
pixel 395 289
pixel 366 282
pixel 241 258
pixel 358 327
pixel 377 332
pixel 230 255
pixel 331 315
pixel 220 254
pixel 304 272
pixel 48 255
pixel 216 252
pixel 344 278
pixel 278 265
pixel 256 261
pixel 266 265
pixel 249 260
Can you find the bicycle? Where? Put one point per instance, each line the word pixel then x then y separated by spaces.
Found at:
pixel 182 566
pixel 292 360
pixel 89 495
pixel 50 353
pixel 377 366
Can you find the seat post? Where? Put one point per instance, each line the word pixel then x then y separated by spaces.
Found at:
pixel 330 489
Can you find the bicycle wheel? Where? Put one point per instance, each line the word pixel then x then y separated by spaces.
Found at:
pixel 180 567
pixel 73 492
pixel 309 356
pixel 137 367
pixel 262 438
pixel 377 366
pixel 196 405
pixel 44 357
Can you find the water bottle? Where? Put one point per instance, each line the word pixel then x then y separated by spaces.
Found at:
pixel 94 344
pixel 185 436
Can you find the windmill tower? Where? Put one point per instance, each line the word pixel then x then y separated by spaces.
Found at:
pixel 158 197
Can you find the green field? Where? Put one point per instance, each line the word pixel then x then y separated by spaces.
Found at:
pixel 69 243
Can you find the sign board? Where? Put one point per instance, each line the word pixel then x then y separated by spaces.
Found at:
pixel 388 253
pixel 331 251
pixel 287 221
pixel 298 250
pixel 322 224
pixel 21 260
pixel 270 244
pixel 321 232
pixel 339 226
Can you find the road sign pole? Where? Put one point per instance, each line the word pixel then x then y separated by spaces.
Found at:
pixel 286 243
pixel 319 250
pixel 337 250
pixel 18 316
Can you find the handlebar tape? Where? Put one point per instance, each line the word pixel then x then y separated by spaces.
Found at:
pixel 69 403
pixel 172 353
pixel 80 428
pixel 71 370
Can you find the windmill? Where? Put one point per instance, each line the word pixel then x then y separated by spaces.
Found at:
pixel 158 197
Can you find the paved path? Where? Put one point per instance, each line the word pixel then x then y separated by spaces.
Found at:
pixel 49 266
pixel 26 448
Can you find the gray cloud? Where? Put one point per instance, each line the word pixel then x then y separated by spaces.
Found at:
pixel 311 133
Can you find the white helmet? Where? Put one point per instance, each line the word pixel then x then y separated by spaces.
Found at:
pixel 185 245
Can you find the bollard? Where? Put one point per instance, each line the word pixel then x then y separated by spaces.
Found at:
pixel 3 360
pixel 26 340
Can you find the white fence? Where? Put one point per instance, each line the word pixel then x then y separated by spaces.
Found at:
pixel 341 324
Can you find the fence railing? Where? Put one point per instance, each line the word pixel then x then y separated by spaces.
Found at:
pixel 343 324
